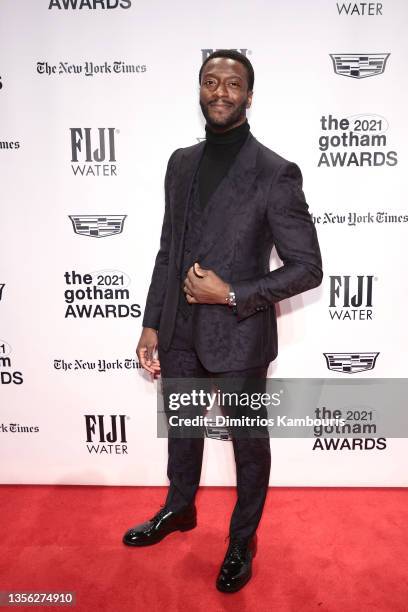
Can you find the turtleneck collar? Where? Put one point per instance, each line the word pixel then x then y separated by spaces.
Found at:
pixel 233 136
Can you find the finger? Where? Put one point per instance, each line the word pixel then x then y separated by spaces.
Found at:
pixel 156 364
pixel 156 373
pixel 188 287
pixel 140 352
pixel 198 271
pixel 190 275
pixel 156 368
pixel 191 299
pixel 144 362
pixel 149 369
pixel 149 354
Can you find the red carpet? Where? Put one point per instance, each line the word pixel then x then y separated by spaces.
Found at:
pixel 318 549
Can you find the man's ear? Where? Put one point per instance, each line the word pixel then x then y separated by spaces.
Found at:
pixel 249 99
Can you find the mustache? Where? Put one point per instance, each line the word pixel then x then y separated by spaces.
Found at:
pixel 224 102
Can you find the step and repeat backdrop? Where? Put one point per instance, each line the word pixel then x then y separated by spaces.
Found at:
pixel 94 97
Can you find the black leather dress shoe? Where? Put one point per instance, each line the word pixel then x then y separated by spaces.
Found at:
pixel 160 525
pixel 236 569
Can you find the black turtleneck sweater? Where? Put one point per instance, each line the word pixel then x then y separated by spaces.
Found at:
pixel 219 153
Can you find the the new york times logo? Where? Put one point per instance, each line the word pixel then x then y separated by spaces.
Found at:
pixel 7 374
pixel 351 298
pixel 90 296
pixel 93 151
pixel 17 428
pixel 353 219
pixel 206 52
pixel 355 141
pixel 9 144
pixel 368 9
pixel 89 4
pixel 106 434
pixel 89 68
pixel 101 365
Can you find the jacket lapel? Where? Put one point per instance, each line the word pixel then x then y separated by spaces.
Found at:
pixel 188 165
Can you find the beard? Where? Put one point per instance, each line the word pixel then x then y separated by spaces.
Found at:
pixel 228 120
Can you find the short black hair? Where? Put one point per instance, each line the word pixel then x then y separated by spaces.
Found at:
pixel 235 55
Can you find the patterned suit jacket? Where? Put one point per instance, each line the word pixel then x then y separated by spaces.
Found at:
pixel 258 204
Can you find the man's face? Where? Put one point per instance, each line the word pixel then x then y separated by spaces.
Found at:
pixel 224 95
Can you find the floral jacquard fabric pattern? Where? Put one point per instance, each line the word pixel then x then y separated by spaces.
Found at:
pixel 259 204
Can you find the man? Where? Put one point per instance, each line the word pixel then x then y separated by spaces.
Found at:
pixel 210 306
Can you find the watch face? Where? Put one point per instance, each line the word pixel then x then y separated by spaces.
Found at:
pixel 231 299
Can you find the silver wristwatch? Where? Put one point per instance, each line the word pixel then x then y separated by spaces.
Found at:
pixel 231 301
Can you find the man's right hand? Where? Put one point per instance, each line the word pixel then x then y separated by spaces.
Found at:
pixel 145 350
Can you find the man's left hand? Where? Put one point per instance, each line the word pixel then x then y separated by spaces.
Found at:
pixel 204 286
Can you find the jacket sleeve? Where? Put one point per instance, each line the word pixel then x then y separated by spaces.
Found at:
pixel 158 283
pixel 295 238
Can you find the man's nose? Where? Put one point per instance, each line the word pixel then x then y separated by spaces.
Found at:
pixel 221 90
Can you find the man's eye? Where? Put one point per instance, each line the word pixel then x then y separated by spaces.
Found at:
pixel 234 83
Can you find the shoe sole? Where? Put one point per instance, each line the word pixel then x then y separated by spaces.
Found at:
pixel 187 527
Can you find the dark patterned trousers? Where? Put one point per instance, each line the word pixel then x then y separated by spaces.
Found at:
pixel 251 447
